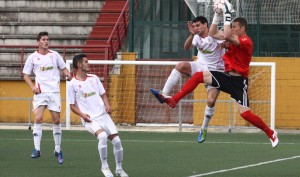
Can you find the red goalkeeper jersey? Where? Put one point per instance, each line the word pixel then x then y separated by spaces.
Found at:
pixel 238 58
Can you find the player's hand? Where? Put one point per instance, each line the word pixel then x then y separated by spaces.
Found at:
pixel 108 109
pixel 217 18
pixel 86 118
pixel 227 8
pixel 224 45
pixel 69 77
pixel 36 90
pixel 191 28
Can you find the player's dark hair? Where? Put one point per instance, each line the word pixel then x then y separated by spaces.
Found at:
pixel 39 36
pixel 78 58
pixel 242 21
pixel 200 19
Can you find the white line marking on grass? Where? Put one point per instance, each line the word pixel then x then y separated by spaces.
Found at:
pixel 148 141
pixel 246 166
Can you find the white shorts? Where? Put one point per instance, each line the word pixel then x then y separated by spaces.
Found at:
pixel 199 67
pixel 103 122
pixel 51 100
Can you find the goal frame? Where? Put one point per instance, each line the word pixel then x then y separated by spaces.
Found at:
pixel 168 63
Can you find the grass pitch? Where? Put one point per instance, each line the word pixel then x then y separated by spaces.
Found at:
pixel 149 154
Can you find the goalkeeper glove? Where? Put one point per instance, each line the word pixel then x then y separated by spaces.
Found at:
pixel 217 18
pixel 227 9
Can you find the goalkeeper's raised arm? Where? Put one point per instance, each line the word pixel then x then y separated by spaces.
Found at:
pixel 213 30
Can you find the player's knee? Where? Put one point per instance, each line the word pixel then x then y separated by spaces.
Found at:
pixel 38 118
pixel 55 117
pixel 102 137
pixel 56 121
pixel 117 142
pixel 182 67
pixel 211 102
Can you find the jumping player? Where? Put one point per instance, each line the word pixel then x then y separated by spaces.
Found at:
pixel 235 78
pixel 209 57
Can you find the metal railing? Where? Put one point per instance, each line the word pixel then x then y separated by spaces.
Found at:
pixel 22 48
pixel 120 29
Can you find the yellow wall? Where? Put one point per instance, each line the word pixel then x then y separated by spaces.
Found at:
pixel 287 91
pixel 120 86
pixel 18 110
pixel 287 97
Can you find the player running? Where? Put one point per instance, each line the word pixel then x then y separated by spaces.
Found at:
pixel 88 99
pixel 235 80
pixel 209 57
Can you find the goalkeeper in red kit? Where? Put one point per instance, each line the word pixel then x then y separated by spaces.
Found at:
pixel 234 80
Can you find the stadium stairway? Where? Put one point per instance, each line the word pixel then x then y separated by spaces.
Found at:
pixel 107 29
pixel 69 22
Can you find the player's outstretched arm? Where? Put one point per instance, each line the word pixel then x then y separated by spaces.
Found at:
pixel 188 42
pixel 213 30
pixel 228 36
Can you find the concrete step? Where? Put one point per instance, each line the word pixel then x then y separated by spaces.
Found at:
pixel 34 4
pixel 14 72
pixel 33 41
pixel 73 16
pixel 16 58
pixel 56 28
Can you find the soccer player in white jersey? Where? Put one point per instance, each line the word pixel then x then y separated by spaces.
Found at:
pixel 88 99
pixel 45 64
pixel 209 57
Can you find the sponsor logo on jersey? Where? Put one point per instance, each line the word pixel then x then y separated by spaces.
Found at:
pixel 46 68
pixel 205 51
pixel 85 95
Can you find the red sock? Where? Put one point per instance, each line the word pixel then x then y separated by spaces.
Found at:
pixel 258 122
pixel 189 86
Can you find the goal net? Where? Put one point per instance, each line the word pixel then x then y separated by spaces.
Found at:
pixel 263 12
pixel 127 84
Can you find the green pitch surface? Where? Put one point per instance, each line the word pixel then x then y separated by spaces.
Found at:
pixel 153 155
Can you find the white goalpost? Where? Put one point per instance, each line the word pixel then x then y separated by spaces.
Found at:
pixel 127 84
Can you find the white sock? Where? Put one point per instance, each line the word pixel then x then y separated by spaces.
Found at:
pixel 171 81
pixel 102 148
pixel 57 133
pixel 209 112
pixel 37 135
pixel 118 152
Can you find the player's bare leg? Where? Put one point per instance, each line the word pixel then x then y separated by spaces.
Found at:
pixel 174 77
pixel 180 68
pixel 37 130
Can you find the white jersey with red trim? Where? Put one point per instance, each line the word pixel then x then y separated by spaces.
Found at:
pixel 86 95
pixel 46 69
pixel 209 52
